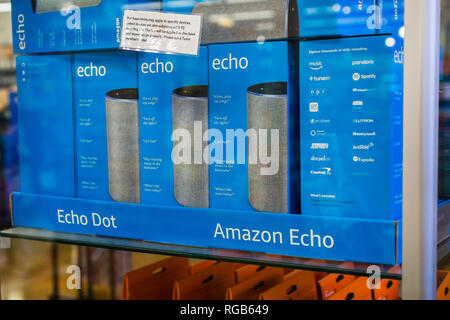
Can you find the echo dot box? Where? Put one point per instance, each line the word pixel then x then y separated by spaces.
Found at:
pixel 173 118
pixel 107 126
pixel 63 26
pixel 254 150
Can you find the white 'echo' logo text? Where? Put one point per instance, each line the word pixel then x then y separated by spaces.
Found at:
pixel 229 63
pixel 91 71
pixel 21 31
pixel 157 67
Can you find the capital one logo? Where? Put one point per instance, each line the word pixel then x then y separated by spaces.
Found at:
pixel 73 14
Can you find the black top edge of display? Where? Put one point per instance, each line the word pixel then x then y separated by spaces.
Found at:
pixel 269 89
pixel 124 94
pixel 200 91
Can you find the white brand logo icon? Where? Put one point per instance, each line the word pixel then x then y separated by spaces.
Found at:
pixel 356 76
pixel 322 172
pixel 321 146
pixel 314 107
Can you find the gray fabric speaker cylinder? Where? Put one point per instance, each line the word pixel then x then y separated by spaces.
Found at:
pixel 44 6
pixel 267 109
pixel 122 125
pixel 247 20
pixel 191 181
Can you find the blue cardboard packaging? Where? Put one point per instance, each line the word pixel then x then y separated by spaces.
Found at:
pixel 349 17
pixel 106 104
pixel 46 129
pixel 62 26
pixel 173 97
pixel 177 6
pixel 254 149
pixel 351 128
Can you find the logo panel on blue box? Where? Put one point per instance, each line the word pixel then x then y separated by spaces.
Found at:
pixel 351 128
pixel 46 130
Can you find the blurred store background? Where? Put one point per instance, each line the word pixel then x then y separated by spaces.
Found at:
pixel 37 270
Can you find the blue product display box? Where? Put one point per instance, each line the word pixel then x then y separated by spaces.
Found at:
pixel 351 115
pixel 105 100
pixel 63 26
pixel 338 239
pixel 46 128
pixel 253 99
pixel 349 17
pixel 108 126
pixel 173 94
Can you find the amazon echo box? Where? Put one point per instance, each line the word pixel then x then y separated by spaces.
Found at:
pixel 173 113
pixel 253 107
pixel 43 6
pixel 46 126
pixel 267 110
pixel 106 114
pixel 70 25
pixel 122 128
pixel 191 180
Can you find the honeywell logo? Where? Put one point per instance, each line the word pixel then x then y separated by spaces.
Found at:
pixel 364 134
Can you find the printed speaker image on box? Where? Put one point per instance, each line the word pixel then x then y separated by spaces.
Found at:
pixel 44 6
pixel 191 181
pixel 267 109
pixel 122 123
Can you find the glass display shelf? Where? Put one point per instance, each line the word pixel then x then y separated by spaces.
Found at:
pixel 358 269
